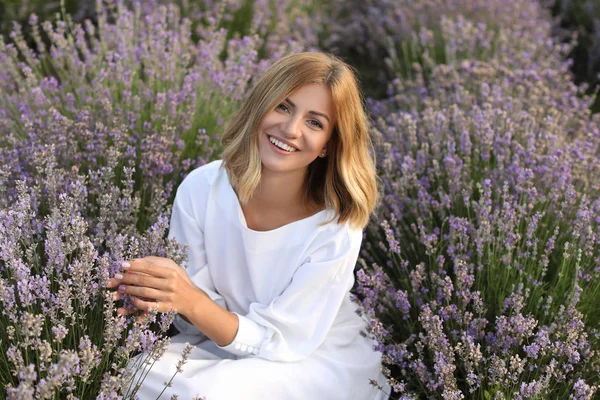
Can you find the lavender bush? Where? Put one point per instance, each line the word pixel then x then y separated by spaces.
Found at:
pixel 139 84
pixel 97 129
pixel 481 269
pixel 281 27
pixel 386 38
pixel 61 336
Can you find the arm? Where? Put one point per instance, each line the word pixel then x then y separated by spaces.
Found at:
pixel 289 328
pixel 185 227
pixel 211 319
pixel 296 322
pixel 185 286
pixel 159 283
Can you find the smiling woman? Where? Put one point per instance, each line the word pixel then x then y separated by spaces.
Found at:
pixel 294 126
pixel 274 232
pixel 330 116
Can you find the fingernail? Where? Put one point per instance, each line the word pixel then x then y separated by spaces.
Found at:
pixel 125 265
pixel 118 276
pixel 121 288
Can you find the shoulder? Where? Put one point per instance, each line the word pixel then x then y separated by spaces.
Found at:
pixel 193 192
pixel 334 239
pixel 202 177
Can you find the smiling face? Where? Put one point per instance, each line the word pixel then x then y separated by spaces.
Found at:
pixel 303 121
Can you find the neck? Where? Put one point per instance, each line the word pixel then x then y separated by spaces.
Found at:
pixel 280 190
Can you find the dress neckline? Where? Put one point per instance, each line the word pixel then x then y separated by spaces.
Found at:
pixel 244 224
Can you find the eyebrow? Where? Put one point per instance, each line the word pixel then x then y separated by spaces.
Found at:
pixel 310 112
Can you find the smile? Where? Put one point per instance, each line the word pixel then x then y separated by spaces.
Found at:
pixel 278 145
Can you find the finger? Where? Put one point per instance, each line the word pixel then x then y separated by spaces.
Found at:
pixel 114 282
pixel 143 293
pixel 149 266
pixel 161 261
pixel 145 305
pixel 117 296
pixel 125 311
pixel 142 280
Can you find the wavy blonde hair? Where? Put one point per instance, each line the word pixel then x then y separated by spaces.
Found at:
pixel 345 181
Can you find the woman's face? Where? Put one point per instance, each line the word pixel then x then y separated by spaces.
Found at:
pixel 303 121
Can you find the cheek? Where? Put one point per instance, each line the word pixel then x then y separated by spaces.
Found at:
pixel 269 119
pixel 325 142
pixel 262 126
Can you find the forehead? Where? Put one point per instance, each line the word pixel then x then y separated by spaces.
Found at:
pixel 313 97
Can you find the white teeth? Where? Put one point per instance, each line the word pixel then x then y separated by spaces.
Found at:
pixel 281 145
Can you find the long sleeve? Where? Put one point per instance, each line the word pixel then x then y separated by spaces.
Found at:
pixel 296 322
pixel 186 221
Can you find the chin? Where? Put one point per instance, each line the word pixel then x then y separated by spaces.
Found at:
pixel 279 166
pixel 282 165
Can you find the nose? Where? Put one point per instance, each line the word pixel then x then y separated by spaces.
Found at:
pixel 291 127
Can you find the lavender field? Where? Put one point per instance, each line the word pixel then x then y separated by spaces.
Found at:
pixel 480 269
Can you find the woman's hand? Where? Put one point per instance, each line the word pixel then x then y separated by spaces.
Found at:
pixel 155 283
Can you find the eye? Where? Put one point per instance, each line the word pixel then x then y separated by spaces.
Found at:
pixel 283 107
pixel 315 123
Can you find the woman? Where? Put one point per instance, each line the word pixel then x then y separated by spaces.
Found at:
pixel 274 231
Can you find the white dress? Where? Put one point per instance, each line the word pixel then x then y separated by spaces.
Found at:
pixel 299 335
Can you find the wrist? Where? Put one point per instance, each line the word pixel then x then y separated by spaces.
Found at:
pixel 217 323
pixel 195 301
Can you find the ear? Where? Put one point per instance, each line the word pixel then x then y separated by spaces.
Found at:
pixel 323 152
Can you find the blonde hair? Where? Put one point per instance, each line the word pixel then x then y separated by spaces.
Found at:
pixel 345 181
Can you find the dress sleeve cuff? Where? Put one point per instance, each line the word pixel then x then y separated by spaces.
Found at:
pixel 248 340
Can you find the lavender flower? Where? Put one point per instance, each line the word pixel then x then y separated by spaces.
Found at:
pixel 485 156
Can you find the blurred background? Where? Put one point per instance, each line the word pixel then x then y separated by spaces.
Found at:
pixel 573 17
